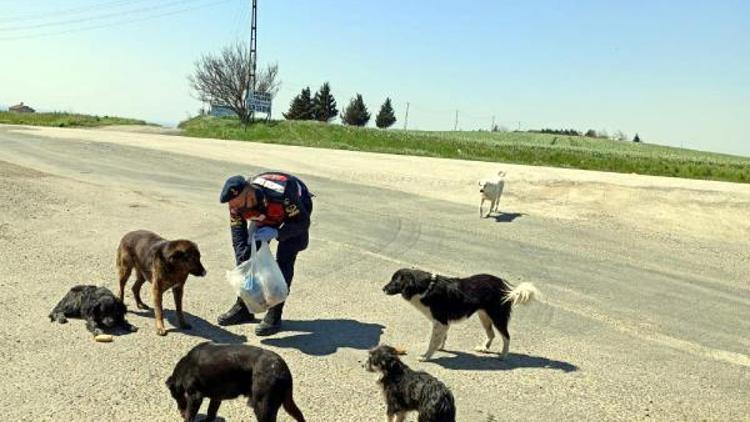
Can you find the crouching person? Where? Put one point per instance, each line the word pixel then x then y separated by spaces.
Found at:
pixel 280 206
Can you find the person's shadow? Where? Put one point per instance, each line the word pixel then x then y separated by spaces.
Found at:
pixel 507 217
pixel 201 327
pixel 325 336
pixel 492 362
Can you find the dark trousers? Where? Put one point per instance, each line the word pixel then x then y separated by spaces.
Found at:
pixel 286 256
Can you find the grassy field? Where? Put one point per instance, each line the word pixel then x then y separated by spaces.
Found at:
pixel 520 148
pixel 64 120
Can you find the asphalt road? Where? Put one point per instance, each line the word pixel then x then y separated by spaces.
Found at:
pixel 630 327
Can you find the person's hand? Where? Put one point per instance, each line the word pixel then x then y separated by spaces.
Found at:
pixel 265 234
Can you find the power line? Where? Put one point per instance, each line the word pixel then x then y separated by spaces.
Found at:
pixel 113 24
pixel 238 25
pixel 70 11
pixel 96 17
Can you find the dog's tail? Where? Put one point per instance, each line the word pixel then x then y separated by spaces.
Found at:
pixel 522 294
pixel 291 407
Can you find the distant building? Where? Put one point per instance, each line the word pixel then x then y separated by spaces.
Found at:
pixel 20 108
pixel 219 110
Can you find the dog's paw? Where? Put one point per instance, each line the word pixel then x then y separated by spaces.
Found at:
pixel 424 358
pixel 132 328
pixel 161 332
pixel 482 349
pixel 142 306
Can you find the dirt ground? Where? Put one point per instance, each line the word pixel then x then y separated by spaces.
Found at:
pixel 646 285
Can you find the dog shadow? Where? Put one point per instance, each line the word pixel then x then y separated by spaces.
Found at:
pixel 507 217
pixel 492 362
pixel 325 336
pixel 201 327
pixel 201 417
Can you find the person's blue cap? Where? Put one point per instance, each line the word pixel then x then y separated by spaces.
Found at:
pixel 232 187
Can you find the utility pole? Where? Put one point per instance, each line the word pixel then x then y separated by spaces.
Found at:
pixel 406 117
pixel 253 50
pixel 455 125
pixel 253 42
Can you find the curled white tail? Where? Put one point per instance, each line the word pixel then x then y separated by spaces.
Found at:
pixel 522 294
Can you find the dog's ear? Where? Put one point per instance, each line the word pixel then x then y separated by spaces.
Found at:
pixel 408 283
pixel 389 359
pixel 161 260
pixel 175 255
pixel 408 277
pixel 96 310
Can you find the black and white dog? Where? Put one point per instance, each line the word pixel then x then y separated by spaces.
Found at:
pixel 445 300
pixel 406 390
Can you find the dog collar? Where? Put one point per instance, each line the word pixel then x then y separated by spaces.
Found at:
pixel 433 280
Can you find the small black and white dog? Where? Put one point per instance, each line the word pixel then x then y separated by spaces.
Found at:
pixel 445 300
pixel 406 390
pixel 226 371
pixel 97 305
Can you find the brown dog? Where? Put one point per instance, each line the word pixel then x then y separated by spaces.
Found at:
pixel 164 263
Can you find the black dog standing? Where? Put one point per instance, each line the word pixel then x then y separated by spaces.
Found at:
pixel 226 371
pixel 280 206
pixel 97 305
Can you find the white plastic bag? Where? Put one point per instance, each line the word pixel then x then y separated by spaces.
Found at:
pixel 259 281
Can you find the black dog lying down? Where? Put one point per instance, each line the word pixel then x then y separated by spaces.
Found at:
pixel 406 390
pixel 226 371
pixel 97 305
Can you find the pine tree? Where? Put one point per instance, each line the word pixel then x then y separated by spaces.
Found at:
pixel 301 107
pixel 356 113
pixel 637 138
pixel 385 117
pixel 324 105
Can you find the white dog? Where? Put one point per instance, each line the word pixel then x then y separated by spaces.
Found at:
pixel 491 190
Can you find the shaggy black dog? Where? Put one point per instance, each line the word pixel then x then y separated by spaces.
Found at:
pixel 97 305
pixel 226 371
pixel 406 390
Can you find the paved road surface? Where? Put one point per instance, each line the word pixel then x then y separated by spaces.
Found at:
pixel 631 327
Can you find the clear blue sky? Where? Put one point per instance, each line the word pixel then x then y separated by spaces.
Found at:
pixel 677 72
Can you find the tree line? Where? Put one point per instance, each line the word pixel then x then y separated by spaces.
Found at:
pixel 591 133
pixel 322 107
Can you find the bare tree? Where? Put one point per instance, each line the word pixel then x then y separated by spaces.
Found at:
pixel 224 79
pixel 268 80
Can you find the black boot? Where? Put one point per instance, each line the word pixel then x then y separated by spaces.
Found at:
pixel 271 323
pixel 238 314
